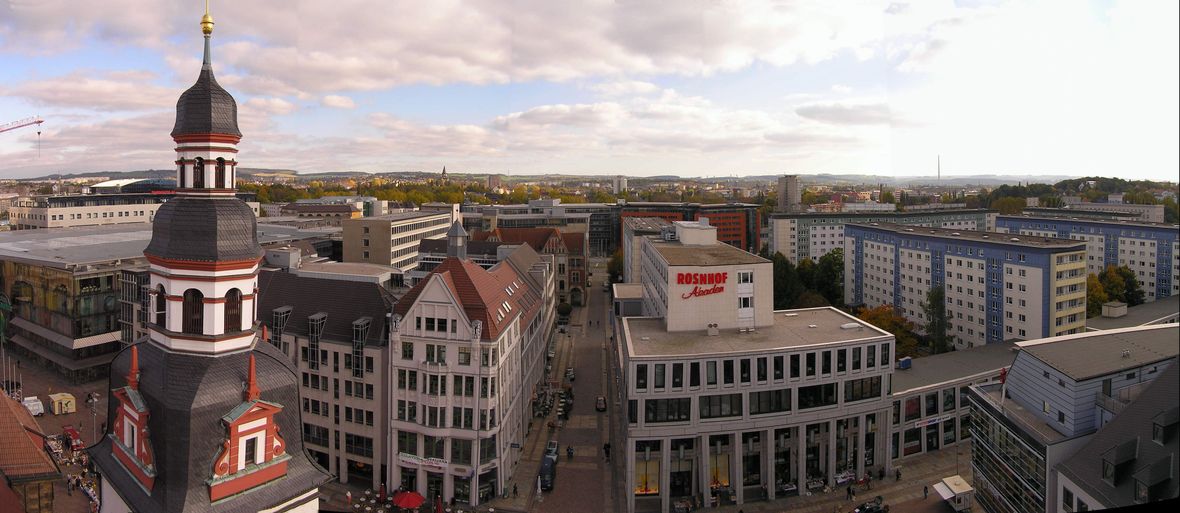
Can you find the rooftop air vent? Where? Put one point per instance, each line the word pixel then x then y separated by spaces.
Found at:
pixel 812 326
pixel 645 339
pixel 1126 353
pixel 956 234
pixel 791 315
pixel 850 325
pixel 1015 239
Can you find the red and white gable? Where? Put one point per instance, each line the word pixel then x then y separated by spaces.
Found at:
pixel 253 452
pixel 133 445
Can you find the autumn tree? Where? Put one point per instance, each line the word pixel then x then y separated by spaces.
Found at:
pixel 886 318
pixel 1114 284
pixel 1009 205
pixel 1133 293
pixel 616 266
pixel 1095 296
pixel 810 299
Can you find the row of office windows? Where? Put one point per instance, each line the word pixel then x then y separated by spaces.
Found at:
pixel 760 369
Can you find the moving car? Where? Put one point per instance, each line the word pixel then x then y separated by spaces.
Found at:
pixel 74 438
pixel 600 403
pixel 548 473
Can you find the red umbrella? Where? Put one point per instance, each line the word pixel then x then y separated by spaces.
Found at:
pixel 408 500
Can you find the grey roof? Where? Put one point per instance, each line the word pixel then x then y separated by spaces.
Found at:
pixel 1139 315
pixel 645 225
pixel 456 230
pixel 474 247
pixel 63 247
pixel 187 395
pixel 342 301
pixel 950 234
pixel 1084 468
pixel 953 365
pixel 401 216
pixel 1098 353
pixel 206 108
pixel 713 254
pixel 896 215
pixel 204 229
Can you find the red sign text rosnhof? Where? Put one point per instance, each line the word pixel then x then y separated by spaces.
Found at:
pixel 704 284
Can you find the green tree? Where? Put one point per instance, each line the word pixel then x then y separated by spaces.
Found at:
pixel 886 318
pixel 1171 211
pixel 564 309
pixel 936 322
pixel 1133 293
pixel 615 267
pixel 810 299
pixel 829 277
pixel 1095 296
pixel 806 271
pixel 786 282
pixel 1114 284
pixel 1009 205
pixel 887 197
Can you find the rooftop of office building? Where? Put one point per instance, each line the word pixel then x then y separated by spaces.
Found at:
pixel 64 247
pixel 646 224
pixel 978 236
pixel 401 216
pixel 1139 315
pixel 628 291
pixel 953 365
pixel 1083 356
pixel 711 254
pixel 649 337
pixel 924 213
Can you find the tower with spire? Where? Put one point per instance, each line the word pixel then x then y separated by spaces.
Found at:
pixel 204 415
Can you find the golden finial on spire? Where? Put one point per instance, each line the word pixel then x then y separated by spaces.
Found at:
pixel 207 21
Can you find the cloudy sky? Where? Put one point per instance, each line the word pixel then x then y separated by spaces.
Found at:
pixel 639 87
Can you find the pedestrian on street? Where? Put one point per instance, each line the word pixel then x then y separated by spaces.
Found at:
pixel 848 493
pixel 881 474
pixel 514 494
pixel 925 492
pixel 348 497
pixel 868 481
pixel 897 474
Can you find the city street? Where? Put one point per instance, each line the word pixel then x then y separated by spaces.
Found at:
pixel 583 484
pixel 40 382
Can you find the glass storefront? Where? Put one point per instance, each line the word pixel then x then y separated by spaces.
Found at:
pixel 462 489
pixel 647 467
pixel 488 486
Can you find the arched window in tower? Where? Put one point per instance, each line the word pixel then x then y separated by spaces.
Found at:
pixel 161 307
pixel 199 173
pixel 221 184
pixel 194 312
pixel 181 179
pixel 233 311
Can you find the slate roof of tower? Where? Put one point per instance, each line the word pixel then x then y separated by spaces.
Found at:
pixel 204 230
pixel 187 395
pixel 206 108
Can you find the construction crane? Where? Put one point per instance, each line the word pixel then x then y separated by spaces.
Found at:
pixel 21 123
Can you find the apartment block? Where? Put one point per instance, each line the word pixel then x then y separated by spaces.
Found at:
pixel 997 287
pixel 800 236
pixel 1151 250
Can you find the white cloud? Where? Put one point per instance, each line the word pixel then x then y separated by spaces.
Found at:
pixel 94 90
pixel 338 102
pixel 624 88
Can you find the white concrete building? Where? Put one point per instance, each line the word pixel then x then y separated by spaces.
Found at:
pixel 812 235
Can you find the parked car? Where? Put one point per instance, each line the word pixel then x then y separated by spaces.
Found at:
pixel 551 448
pixel 569 373
pixel 600 403
pixel 877 505
pixel 548 473
pixel 34 405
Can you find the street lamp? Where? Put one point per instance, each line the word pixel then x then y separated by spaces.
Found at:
pixel 92 401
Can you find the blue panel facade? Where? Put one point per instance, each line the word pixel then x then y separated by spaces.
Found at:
pixel 1164 236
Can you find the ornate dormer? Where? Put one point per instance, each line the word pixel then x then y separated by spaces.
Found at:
pixel 131 441
pixel 253 452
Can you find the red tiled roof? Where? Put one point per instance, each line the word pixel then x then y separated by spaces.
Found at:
pixel 575 243
pixel 537 238
pixel 24 450
pixel 481 293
